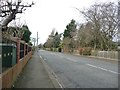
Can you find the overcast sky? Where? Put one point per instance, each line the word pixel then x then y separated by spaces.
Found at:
pixel 48 14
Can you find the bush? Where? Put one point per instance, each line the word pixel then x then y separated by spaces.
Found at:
pixel 85 51
pixel 81 51
pixel 94 52
pixel 52 49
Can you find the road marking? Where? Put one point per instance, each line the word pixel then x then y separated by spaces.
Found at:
pixel 52 72
pixel 45 59
pixel 61 86
pixel 102 68
pixel 40 56
pixel 57 79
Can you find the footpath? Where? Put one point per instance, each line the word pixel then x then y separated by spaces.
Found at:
pixel 34 75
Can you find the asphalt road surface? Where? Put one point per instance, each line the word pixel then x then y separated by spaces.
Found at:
pixel 81 72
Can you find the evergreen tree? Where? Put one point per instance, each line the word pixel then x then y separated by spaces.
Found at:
pixel 68 36
pixel 70 29
pixel 57 40
pixel 26 34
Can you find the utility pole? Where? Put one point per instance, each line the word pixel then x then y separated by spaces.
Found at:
pixel 37 41
pixel 37 38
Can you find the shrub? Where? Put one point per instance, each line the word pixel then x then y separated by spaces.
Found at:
pixel 85 51
pixel 81 51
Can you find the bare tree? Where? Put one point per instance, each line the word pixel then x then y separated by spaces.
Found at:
pixel 9 9
pixel 50 41
pixel 85 35
pixel 104 20
pixel 16 29
pixel 109 22
pixel 66 44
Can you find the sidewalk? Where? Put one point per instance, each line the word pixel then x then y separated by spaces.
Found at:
pixel 0 82
pixel 34 75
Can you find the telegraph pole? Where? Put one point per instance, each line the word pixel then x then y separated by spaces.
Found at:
pixel 37 38
pixel 37 41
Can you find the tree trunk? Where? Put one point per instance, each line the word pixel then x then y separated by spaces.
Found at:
pixel 95 46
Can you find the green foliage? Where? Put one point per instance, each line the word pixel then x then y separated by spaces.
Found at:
pixel 26 34
pixel 53 40
pixel 12 31
pixel 57 40
pixel 56 33
pixel 70 29
pixel 68 36
pixel 30 43
pixel 66 33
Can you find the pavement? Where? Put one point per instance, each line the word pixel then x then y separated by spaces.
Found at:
pixel 0 82
pixel 35 75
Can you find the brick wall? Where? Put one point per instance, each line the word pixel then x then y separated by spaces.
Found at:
pixel 10 75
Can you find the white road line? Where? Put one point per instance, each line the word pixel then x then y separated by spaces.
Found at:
pixel 102 68
pixel 40 56
pixel 56 78
pixel 61 86
pixel 45 59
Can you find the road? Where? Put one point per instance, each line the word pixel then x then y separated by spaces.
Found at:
pixel 81 72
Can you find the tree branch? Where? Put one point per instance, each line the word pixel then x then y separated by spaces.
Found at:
pixel 9 12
